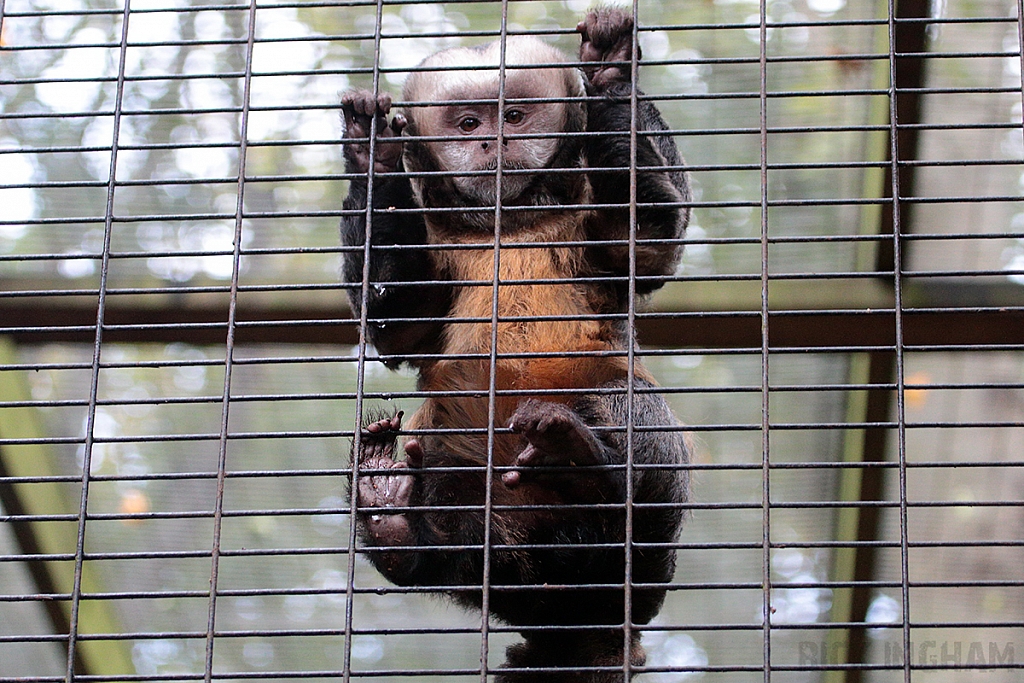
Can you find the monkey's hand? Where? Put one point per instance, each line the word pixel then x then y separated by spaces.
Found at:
pixel 556 436
pixel 359 108
pixel 607 38
pixel 387 489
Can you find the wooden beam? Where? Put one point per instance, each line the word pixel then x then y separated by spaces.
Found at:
pixel 27 322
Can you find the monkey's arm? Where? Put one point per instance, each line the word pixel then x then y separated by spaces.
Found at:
pixel 394 238
pixel 607 38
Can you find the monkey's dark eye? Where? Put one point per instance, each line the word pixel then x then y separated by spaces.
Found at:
pixel 469 124
pixel 514 116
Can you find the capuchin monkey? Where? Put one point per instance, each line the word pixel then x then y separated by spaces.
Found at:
pixel 558 486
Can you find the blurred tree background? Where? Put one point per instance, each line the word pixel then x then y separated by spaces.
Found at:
pixel 179 129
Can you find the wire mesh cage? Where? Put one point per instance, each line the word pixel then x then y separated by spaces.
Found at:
pixel 182 377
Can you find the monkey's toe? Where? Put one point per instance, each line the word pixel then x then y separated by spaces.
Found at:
pixel 377 443
pixel 414 452
pixel 386 424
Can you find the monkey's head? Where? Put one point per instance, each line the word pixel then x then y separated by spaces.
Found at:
pixel 465 88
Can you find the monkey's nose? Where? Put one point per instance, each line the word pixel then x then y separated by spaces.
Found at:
pixel 484 145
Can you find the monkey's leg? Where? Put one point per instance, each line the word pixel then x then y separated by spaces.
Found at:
pixel 390 487
pixel 562 651
pixel 403 543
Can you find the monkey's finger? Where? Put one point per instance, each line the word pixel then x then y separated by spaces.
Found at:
pixel 364 103
pixel 348 109
pixel 353 101
pixel 530 455
pixel 398 123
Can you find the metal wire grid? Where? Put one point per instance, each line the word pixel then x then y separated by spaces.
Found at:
pixel 961 326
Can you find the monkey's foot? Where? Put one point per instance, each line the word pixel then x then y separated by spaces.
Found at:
pixel 359 108
pixel 569 650
pixel 391 488
pixel 556 436
pixel 607 37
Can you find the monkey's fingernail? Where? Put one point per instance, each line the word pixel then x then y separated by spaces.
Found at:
pixel 510 479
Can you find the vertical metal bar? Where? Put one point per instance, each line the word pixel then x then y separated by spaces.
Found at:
pixel 218 506
pixel 364 295
pixel 766 573
pixel 627 575
pixel 1020 47
pixel 908 40
pixel 90 420
pixel 485 587
pixel 873 449
pixel 898 312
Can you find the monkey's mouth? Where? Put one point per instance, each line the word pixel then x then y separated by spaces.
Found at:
pixel 506 165
pixel 483 189
pixel 513 185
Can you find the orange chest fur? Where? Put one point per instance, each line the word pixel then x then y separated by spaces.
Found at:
pixel 545 335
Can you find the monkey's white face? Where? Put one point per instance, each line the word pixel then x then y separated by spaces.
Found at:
pixel 471 125
pixel 482 150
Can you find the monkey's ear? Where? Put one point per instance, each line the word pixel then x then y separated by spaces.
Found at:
pixel 575 82
pixel 576 112
pixel 575 117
